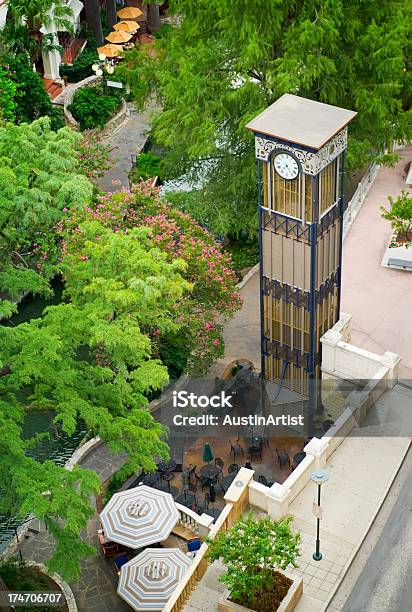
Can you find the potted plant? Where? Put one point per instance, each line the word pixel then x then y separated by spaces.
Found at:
pixel 254 552
pixel 400 217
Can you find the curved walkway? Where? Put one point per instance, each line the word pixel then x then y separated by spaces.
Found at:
pixel 95 591
pixel 124 142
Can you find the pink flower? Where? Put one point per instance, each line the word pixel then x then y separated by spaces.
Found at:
pixel 64 209
pixel 216 342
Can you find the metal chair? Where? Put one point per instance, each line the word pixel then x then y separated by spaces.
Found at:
pixel 236 449
pixel 283 457
pixel 219 463
pixel 119 561
pixel 233 467
pixel 255 451
pixel 201 480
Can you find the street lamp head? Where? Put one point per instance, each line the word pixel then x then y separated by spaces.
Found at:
pixel 319 476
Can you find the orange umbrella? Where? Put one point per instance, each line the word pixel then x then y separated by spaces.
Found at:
pixel 126 26
pixel 129 12
pixel 119 37
pixel 110 50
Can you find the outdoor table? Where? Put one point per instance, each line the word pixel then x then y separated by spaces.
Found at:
pixel 227 481
pixel 186 499
pixel 210 470
pixel 299 457
pixel 167 466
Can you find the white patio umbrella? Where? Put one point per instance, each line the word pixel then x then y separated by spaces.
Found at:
pixel 147 581
pixel 139 517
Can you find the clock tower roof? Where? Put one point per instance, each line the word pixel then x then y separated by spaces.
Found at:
pixel 301 121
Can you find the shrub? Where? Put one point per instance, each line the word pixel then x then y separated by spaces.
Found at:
pixel 400 215
pixel 244 255
pixel 91 108
pixel 147 166
pixel 81 67
pixel 252 550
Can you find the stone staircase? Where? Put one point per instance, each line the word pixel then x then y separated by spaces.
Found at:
pixel 52 88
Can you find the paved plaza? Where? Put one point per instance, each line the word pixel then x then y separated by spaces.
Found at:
pixel 379 299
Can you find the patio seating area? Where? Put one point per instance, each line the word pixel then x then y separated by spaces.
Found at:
pixel 139 539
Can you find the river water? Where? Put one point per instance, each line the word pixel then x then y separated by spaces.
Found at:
pixel 58 447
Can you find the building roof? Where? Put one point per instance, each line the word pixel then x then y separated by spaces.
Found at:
pixel 301 121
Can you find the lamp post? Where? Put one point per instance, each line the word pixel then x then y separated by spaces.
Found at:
pixel 101 67
pixel 320 476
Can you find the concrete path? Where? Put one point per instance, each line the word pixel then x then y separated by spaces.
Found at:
pixel 128 139
pixel 379 299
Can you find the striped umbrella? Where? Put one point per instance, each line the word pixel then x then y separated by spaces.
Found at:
pixel 147 581
pixel 139 517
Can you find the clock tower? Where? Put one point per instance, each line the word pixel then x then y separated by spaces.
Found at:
pixel 300 148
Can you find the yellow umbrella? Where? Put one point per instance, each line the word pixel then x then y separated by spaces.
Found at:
pixel 110 50
pixel 126 26
pixel 119 37
pixel 129 12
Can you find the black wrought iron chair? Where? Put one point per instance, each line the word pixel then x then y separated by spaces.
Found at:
pixel 236 449
pixel 233 468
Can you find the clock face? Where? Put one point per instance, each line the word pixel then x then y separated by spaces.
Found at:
pixel 286 166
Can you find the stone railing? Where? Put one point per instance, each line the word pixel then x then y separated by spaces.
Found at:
pixel 341 360
pixel 237 500
pixel 358 197
pixel 110 126
pixel 198 524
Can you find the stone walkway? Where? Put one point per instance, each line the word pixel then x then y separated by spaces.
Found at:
pixel 96 588
pixel 127 140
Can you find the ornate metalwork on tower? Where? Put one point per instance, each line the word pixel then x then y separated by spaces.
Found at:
pixel 300 147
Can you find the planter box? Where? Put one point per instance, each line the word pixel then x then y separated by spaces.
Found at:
pixel 398 257
pixel 288 604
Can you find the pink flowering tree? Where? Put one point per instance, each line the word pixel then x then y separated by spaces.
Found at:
pixel 213 298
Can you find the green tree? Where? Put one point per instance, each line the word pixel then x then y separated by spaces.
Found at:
pixel 252 550
pixel 7 94
pixel 227 62
pixel 400 216
pixel 88 359
pixel 213 298
pixel 31 101
pixel 39 178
